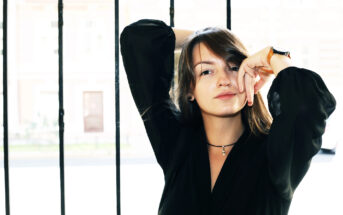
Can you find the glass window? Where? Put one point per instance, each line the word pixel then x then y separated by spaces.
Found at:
pixel 309 29
pixel 89 107
pixel 33 108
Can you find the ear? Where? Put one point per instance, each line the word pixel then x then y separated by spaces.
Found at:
pixel 190 97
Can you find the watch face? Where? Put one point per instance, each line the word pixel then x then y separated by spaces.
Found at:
pixel 280 51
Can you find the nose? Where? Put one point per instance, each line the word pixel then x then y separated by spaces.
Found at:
pixel 223 78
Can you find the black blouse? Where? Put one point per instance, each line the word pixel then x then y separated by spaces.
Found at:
pixel 260 174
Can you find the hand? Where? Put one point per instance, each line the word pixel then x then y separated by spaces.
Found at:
pixel 254 72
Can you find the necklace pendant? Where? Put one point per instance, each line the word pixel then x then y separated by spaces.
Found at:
pixel 223 151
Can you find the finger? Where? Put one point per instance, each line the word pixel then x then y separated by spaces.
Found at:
pixel 240 76
pixel 243 70
pixel 251 71
pixel 248 89
pixel 252 74
pixel 252 77
pixel 259 85
pixel 252 84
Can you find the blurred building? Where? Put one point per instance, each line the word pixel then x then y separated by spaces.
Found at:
pixel 309 29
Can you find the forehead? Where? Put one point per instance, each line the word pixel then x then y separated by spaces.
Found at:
pixel 202 52
pixel 201 55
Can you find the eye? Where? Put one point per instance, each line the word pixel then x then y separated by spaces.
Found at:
pixel 205 72
pixel 234 68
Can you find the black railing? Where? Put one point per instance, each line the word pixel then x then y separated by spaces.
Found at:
pixel 4 55
pixel 171 13
pixel 117 100
pixel 60 97
pixel 228 14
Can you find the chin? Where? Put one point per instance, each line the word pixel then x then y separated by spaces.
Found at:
pixel 226 113
pixel 231 113
pixel 233 109
pixel 224 110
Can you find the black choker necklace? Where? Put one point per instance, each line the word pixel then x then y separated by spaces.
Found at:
pixel 223 147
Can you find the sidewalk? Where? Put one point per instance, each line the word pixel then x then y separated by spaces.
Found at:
pixel 90 186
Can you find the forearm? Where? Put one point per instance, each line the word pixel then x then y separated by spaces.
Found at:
pixel 181 36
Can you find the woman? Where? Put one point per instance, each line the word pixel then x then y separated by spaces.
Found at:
pixel 220 151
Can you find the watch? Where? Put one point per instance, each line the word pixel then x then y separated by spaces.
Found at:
pixel 274 51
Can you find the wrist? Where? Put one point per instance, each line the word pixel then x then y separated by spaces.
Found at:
pixel 272 51
pixel 278 60
pixel 279 63
pixel 267 55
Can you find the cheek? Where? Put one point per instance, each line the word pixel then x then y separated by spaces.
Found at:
pixel 234 81
pixel 203 90
pixel 202 95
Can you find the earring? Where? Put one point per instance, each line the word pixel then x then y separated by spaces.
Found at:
pixel 190 98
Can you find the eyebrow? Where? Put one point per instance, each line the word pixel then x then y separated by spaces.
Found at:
pixel 203 62
pixel 210 63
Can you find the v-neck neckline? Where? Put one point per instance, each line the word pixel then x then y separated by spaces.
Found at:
pixel 220 171
pixel 225 166
pixel 201 171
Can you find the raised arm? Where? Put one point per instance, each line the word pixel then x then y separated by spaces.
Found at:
pixel 147 48
pixel 300 104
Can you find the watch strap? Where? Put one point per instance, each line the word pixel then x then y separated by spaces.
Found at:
pixel 272 51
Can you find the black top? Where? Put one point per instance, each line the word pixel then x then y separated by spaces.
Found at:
pixel 260 174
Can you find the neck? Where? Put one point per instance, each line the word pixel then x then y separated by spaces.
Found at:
pixel 223 130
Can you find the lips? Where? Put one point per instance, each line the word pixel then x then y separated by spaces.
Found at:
pixel 225 94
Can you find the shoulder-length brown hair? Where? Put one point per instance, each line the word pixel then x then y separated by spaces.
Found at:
pixel 228 46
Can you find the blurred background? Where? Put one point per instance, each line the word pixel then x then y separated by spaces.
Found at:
pixel 311 30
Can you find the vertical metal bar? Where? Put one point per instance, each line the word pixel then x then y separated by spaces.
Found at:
pixel 7 189
pixel 228 14
pixel 171 13
pixel 60 98
pixel 117 100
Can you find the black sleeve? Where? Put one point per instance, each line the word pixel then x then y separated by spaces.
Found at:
pixel 300 103
pixel 147 48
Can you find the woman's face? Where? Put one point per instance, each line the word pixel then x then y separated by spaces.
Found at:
pixel 214 76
